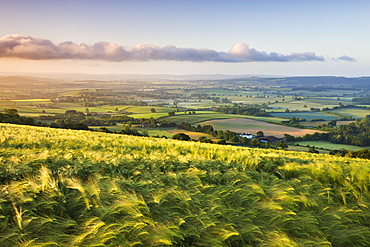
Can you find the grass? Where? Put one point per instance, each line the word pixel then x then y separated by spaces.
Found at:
pixel 329 145
pixel 267 119
pixel 306 149
pixel 299 104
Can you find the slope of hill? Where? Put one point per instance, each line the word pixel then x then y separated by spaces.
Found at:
pixel 75 188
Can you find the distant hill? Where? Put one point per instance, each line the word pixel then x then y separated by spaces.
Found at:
pixel 306 81
pixel 77 188
pixel 22 81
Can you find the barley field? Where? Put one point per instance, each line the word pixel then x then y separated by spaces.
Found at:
pixel 78 188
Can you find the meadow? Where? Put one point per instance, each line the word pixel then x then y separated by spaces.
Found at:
pixel 78 188
pixel 352 112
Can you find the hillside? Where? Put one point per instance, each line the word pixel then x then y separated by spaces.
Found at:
pixel 75 188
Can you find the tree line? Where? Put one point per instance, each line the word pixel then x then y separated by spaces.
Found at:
pixel 243 110
pixel 356 133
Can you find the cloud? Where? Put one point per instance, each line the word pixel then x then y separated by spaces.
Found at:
pixel 347 58
pixel 246 54
pixel 33 48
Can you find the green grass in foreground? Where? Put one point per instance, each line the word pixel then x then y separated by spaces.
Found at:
pixel 76 188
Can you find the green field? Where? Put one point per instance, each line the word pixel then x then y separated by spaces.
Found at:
pixel 267 119
pixel 78 188
pixel 306 149
pixel 328 145
pixel 352 112
pixel 299 105
pixel 253 126
pixel 306 115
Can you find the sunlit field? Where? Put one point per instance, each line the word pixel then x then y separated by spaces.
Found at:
pixel 77 188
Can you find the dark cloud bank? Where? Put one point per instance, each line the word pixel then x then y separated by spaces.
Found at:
pixel 33 48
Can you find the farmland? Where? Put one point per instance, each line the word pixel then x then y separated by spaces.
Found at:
pixel 78 188
pixel 111 187
pixel 191 101
pixel 253 126
pixel 305 115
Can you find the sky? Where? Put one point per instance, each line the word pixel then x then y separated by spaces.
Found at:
pixel 264 37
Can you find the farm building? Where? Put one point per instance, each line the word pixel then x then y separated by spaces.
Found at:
pixel 247 135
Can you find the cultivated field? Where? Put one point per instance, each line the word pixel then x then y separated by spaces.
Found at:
pixel 78 188
pixel 253 126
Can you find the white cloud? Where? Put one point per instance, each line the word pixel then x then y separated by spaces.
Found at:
pixel 347 58
pixel 28 47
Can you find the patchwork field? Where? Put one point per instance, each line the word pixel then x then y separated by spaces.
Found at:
pixel 240 125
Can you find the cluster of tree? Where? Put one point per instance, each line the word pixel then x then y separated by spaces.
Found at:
pixel 68 123
pixel 363 153
pixel 243 110
pixel 74 117
pixel 12 116
pixel 356 133
pixel 221 100
pixel 365 100
pixel 128 130
pixel 208 129
pixel 107 120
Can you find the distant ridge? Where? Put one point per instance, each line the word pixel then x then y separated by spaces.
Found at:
pixel 112 77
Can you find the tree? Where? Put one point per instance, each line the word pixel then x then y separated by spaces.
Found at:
pixel 281 145
pixel 70 112
pixel 181 136
pixel 313 150
pixel 260 133
pixel 153 110
pixel 80 126
pixel 332 123
pixel 11 111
